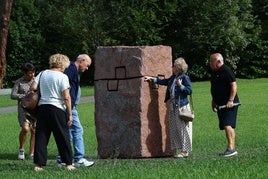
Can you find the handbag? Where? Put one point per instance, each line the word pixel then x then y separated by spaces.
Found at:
pixel 185 114
pixel 30 102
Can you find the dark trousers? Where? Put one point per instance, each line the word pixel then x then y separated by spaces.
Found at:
pixel 52 119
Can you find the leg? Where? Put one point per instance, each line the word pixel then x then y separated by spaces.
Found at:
pixel 42 136
pixel 23 134
pixel 76 134
pixel 230 136
pixel 32 140
pixel 22 139
pixel 40 148
pixel 60 131
pixel 227 123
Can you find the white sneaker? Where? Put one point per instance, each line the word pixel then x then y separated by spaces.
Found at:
pixel 21 155
pixel 84 163
pixel 182 155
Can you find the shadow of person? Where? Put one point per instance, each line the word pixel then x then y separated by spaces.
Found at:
pixel 154 139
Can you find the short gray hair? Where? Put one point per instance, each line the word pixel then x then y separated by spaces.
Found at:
pixel 83 56
pixel 181 65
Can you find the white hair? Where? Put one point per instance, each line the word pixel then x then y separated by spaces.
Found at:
pixel 80 57
pixel 83 57
pixel 219 57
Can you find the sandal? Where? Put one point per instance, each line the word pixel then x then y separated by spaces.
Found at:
pixel 70 167
pixel 181 155
pixel 38 169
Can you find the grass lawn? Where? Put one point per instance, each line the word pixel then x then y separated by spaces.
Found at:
pixel 204 161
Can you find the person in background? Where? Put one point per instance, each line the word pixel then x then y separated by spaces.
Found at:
pixel 54 112
pixel 80 65
pixel 178 88
pixel 224 92
pixel 27 123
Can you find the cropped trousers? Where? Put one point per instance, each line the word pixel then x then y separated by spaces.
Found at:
pixel 51 119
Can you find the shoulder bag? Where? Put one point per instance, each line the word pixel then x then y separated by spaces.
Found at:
pixel 186 114
pixel 30 102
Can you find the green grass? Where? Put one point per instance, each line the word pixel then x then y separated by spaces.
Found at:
pixel 204 162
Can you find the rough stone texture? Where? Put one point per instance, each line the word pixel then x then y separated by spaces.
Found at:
pixel 130 114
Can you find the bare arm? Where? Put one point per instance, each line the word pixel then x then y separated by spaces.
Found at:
pixel 67 101
pixel 33 86
pixel 233 91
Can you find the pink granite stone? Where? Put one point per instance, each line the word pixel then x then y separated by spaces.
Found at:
pixel 130 114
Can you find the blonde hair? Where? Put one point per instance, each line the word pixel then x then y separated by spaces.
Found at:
pixel 59 61
pixel 181 65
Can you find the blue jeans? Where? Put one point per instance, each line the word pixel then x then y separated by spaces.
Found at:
pixel 76 136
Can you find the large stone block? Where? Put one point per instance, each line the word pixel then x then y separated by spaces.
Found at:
pixel 130 114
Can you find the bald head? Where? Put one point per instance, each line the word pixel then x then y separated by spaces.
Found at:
pixel 217 57
pixel 216 61
pixel 83 61
pixel 84 57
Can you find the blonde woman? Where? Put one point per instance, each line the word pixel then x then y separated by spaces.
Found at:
pixel 178 87
pixel 54 112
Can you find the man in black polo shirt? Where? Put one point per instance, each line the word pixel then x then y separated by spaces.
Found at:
pixel 224 92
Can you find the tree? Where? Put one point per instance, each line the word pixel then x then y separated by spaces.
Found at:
pixel 5 11
pixel 25 41
pixel 260 9
pixel 204 27
pixel 67 27
pixel 130 22
pixel 193 28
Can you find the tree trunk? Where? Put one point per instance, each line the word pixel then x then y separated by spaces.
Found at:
pixel 5 11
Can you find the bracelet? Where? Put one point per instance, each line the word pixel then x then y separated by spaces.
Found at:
pixel 230 100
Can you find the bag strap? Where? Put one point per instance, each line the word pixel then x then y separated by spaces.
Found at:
pixel 38 85
pixel 191 102
pixel 41 73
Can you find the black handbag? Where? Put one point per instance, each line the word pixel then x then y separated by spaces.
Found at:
pixel 30 102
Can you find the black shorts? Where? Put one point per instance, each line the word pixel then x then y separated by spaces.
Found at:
pixel 227 117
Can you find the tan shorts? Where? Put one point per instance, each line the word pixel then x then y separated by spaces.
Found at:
pixel 23 117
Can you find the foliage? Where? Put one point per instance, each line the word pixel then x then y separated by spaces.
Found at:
pixel 130 22
pixel 25 40
pixel 194 30
pixel 260 11
pixel 211 26
pixel 203 162
pixel 254 62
